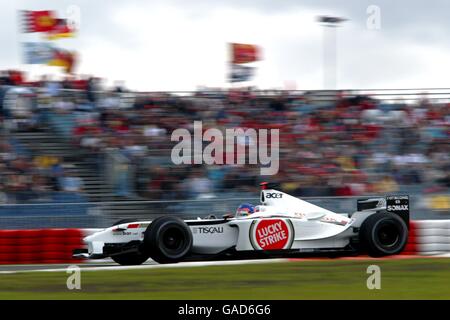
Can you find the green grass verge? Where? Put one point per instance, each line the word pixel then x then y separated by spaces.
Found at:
pixel 327 279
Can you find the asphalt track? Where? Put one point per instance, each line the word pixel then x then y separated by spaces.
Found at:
pixel 150 264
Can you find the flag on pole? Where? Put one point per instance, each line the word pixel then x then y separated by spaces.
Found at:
pixel 63 58
pixel 45 53
pixel 38 21
pixel 244 53
pixel 61 29
pixel 37 52
pixel 241 73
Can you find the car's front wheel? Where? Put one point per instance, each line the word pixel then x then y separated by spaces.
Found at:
pixel 130 259
pixel 168 240
pixel 383 234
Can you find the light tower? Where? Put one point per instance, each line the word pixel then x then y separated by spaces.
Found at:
pixel 330 49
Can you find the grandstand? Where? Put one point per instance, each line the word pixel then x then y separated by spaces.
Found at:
pixel 71 149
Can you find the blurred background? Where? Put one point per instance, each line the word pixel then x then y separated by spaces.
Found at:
pixel 83 150
pixel 110 150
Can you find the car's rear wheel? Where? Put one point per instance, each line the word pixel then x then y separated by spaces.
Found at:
pixel 168 240
pixel 383 234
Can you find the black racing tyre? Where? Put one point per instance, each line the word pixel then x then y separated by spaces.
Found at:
pixel 121 221
pixel 130 259
pixel 383 234
pixel 168 240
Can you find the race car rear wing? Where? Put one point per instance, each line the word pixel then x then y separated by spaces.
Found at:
pixel 396 204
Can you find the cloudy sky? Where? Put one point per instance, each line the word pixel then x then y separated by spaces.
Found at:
pixel 179 44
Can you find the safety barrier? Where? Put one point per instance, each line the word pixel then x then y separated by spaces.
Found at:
pixel 426 237
pixel 39 246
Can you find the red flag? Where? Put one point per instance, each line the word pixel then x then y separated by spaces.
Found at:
pixel 244 53
pixel 39 21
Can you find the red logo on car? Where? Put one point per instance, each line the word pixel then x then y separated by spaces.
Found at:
pixel 272 234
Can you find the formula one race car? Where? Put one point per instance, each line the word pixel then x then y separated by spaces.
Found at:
pixel 281 226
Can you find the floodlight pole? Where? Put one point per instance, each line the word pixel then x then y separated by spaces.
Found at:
pixel 330 50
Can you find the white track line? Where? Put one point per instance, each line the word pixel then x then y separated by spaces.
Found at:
pixel 152 266
pixel 106 265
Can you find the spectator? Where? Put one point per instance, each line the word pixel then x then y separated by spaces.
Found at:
pixel 70 183
pixel 352 145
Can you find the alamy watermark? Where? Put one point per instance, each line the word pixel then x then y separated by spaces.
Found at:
pixel 73 16
pixel 74 280
pixel 374 280
pixel 373 21
pixel 228 148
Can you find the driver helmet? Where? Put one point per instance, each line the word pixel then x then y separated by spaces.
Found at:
pixel 245 209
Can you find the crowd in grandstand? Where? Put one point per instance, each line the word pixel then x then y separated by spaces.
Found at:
pixel 24 177
pixel 351 145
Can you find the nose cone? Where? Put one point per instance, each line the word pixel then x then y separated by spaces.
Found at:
pixel 98 235
pixel 93 237
pixel 88 238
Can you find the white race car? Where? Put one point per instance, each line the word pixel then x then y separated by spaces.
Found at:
pixel 282 225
